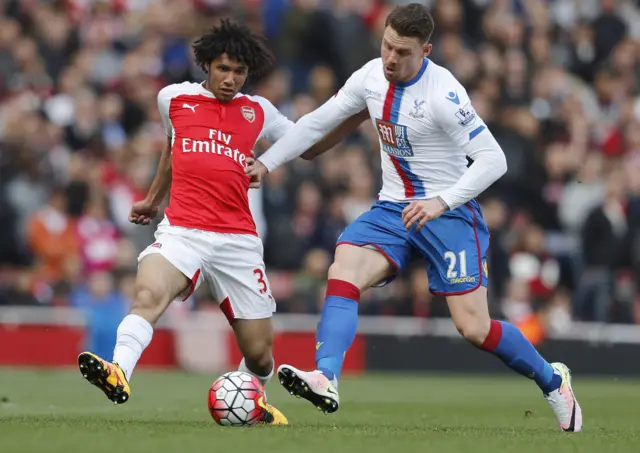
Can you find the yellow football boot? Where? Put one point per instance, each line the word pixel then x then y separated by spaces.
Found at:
pixel 274 417
pixel 107 376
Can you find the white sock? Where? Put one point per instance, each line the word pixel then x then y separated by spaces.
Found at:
pixel 134 335
pixel 263 379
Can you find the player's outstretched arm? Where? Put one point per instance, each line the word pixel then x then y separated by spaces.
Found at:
pixel 311 128
pixel 142 212
pixel 337 135
pixel 307 132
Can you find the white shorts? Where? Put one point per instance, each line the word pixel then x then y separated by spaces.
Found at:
pixel 231 264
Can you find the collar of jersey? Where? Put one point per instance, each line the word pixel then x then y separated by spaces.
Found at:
pixel 417 77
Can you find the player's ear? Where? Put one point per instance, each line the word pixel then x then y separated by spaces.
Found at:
pixel 427 48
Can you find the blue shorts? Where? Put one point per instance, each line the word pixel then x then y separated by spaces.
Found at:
pixel 454 245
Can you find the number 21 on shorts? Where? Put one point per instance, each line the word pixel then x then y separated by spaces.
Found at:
pixel 453 259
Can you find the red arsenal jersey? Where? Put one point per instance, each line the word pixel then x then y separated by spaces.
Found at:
pixel 211 141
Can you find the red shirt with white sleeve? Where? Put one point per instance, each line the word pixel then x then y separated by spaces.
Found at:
pixel 211 142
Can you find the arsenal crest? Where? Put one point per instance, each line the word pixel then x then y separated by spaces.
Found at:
pixel 248 113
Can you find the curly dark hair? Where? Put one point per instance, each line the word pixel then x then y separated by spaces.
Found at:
pixel 239 43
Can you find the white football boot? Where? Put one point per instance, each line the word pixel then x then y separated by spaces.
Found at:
pixel 564 403
pixel 312 386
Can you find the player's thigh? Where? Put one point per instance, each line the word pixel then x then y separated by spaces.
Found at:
pixel 158 275
pixel 455 248
pixel 372 249
pixel 168 269
pixel 238 278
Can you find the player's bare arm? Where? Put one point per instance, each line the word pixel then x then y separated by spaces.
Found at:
pixel 337 135
pixel 142 212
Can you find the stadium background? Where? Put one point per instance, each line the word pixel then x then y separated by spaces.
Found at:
pixel 80 136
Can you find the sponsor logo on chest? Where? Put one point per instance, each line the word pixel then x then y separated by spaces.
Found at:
pixel 394 138
pixel 218 143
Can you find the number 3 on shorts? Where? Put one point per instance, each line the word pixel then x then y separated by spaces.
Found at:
pixel 262 284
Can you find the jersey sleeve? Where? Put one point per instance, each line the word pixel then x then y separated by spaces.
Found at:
pixel 351 97
pixel 164 101
pixel 312 127
pixel 452 111
pixel 276 125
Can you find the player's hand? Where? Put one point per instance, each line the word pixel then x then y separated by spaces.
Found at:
pixel 256 170
pixel 421 212
pixel 142 212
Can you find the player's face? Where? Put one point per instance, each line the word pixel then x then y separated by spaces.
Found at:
pixel 402 56
pixel 226 77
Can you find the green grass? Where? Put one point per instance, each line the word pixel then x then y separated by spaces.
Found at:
pixel 57 411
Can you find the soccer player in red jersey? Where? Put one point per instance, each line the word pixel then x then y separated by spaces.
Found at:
pixel 208 232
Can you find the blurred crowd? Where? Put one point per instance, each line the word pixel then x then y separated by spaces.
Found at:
pixel 557 81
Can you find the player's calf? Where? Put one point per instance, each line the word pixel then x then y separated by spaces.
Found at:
pixel 255 341
pixel 470 313
pixel 354 270
pixel 259 363
pixel 158 283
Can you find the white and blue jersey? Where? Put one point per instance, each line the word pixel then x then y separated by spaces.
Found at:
pixel 422 126
pixel 426 128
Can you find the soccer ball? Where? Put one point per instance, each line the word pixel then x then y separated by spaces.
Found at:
pixel 237 399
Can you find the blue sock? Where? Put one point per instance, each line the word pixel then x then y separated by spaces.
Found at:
pixel 507 343
pixel 337 328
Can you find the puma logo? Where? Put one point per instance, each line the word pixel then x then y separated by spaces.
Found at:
pixel 192 107
pixel 319 345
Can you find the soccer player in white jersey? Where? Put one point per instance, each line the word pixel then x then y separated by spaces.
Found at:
pixel 427 127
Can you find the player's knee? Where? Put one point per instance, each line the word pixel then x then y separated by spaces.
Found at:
pixel 358 276
pixel 339 271
pixel 360 266
pixel 474 330
pixel 149 303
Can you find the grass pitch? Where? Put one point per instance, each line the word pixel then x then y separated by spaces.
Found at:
pixel 58 412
